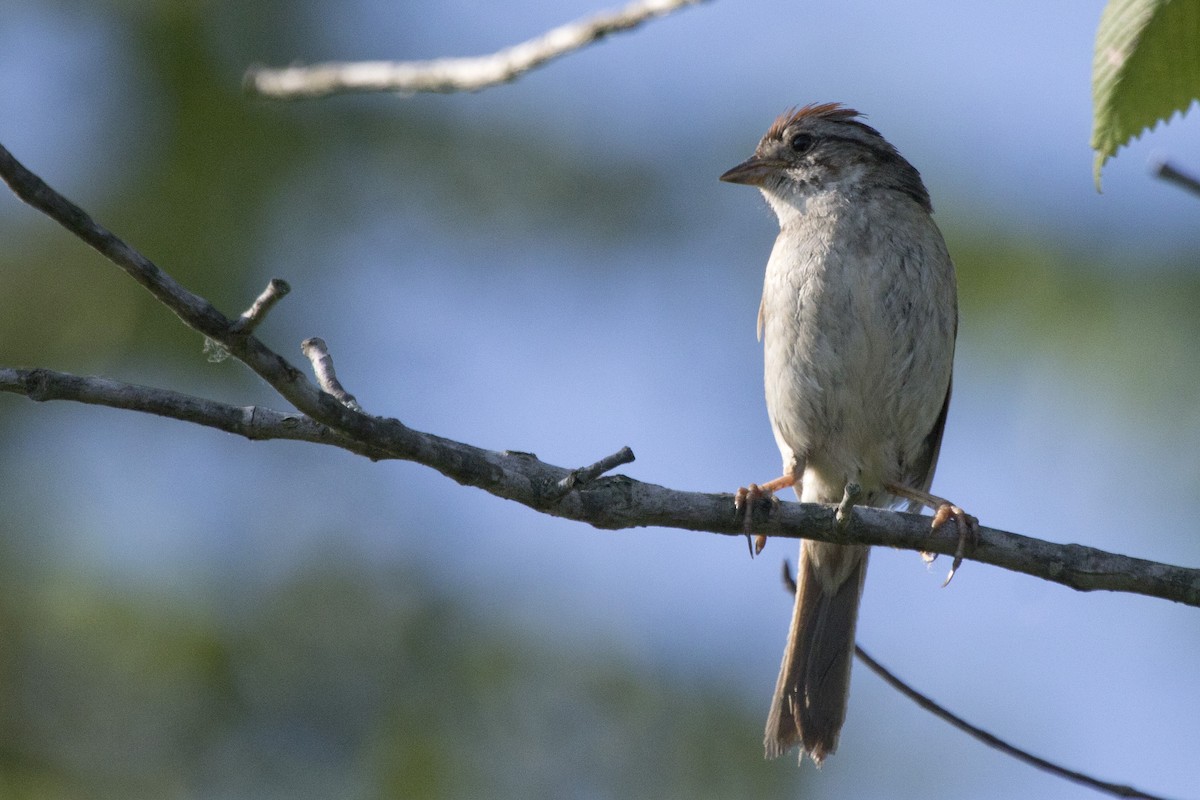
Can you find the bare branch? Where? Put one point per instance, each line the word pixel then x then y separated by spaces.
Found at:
pixel 249 320
pixel 452 74
pixel 194 310
pixel 317 352
pixel 607 502
pixel 618 502
pixel 253 422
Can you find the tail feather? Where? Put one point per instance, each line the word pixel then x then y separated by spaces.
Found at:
pixel 809 706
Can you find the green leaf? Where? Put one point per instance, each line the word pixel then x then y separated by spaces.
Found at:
pixel 1146 67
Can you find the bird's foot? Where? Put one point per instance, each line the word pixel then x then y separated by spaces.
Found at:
pixel 944 511
pixel 968 533
pixel 745 501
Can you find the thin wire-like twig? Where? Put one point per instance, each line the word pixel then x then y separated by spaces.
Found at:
pixel 942 713
pixel 993 741
pixel 452 74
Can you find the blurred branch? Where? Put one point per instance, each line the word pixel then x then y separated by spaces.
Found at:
pixel 1169 172
pixel 452 74
pixel 611 502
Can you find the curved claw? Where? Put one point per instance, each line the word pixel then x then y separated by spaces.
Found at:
pixel 744 501
pixel 968 533
pixel 747 497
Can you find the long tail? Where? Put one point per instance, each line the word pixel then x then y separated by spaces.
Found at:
pixel 814 681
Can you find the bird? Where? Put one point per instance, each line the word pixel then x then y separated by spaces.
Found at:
pixel 858 321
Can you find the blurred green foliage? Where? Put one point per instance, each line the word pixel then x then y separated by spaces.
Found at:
pixel 341 682
pixel 1130 327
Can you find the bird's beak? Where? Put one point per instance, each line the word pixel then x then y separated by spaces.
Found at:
pixel 753 171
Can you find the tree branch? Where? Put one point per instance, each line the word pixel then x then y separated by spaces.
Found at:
pixel 606 502
pixel 256 423
pixel 618 502
pixel 452 74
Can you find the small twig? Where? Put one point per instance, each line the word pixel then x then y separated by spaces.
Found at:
pixel 939 711
pixel 846 507
pixel 316 351
pixel 249 320
pixel 1169 172
pixel 451 74
pixel 585 475
pixel 257 312
pixel 1115 789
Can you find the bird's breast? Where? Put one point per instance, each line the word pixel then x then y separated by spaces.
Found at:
pixel 858 338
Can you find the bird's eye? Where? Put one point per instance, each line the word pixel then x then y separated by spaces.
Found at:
pixel 801 143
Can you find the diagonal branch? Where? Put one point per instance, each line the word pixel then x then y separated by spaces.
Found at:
pixel 618 501
pixel 195 311
pixel 452 74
